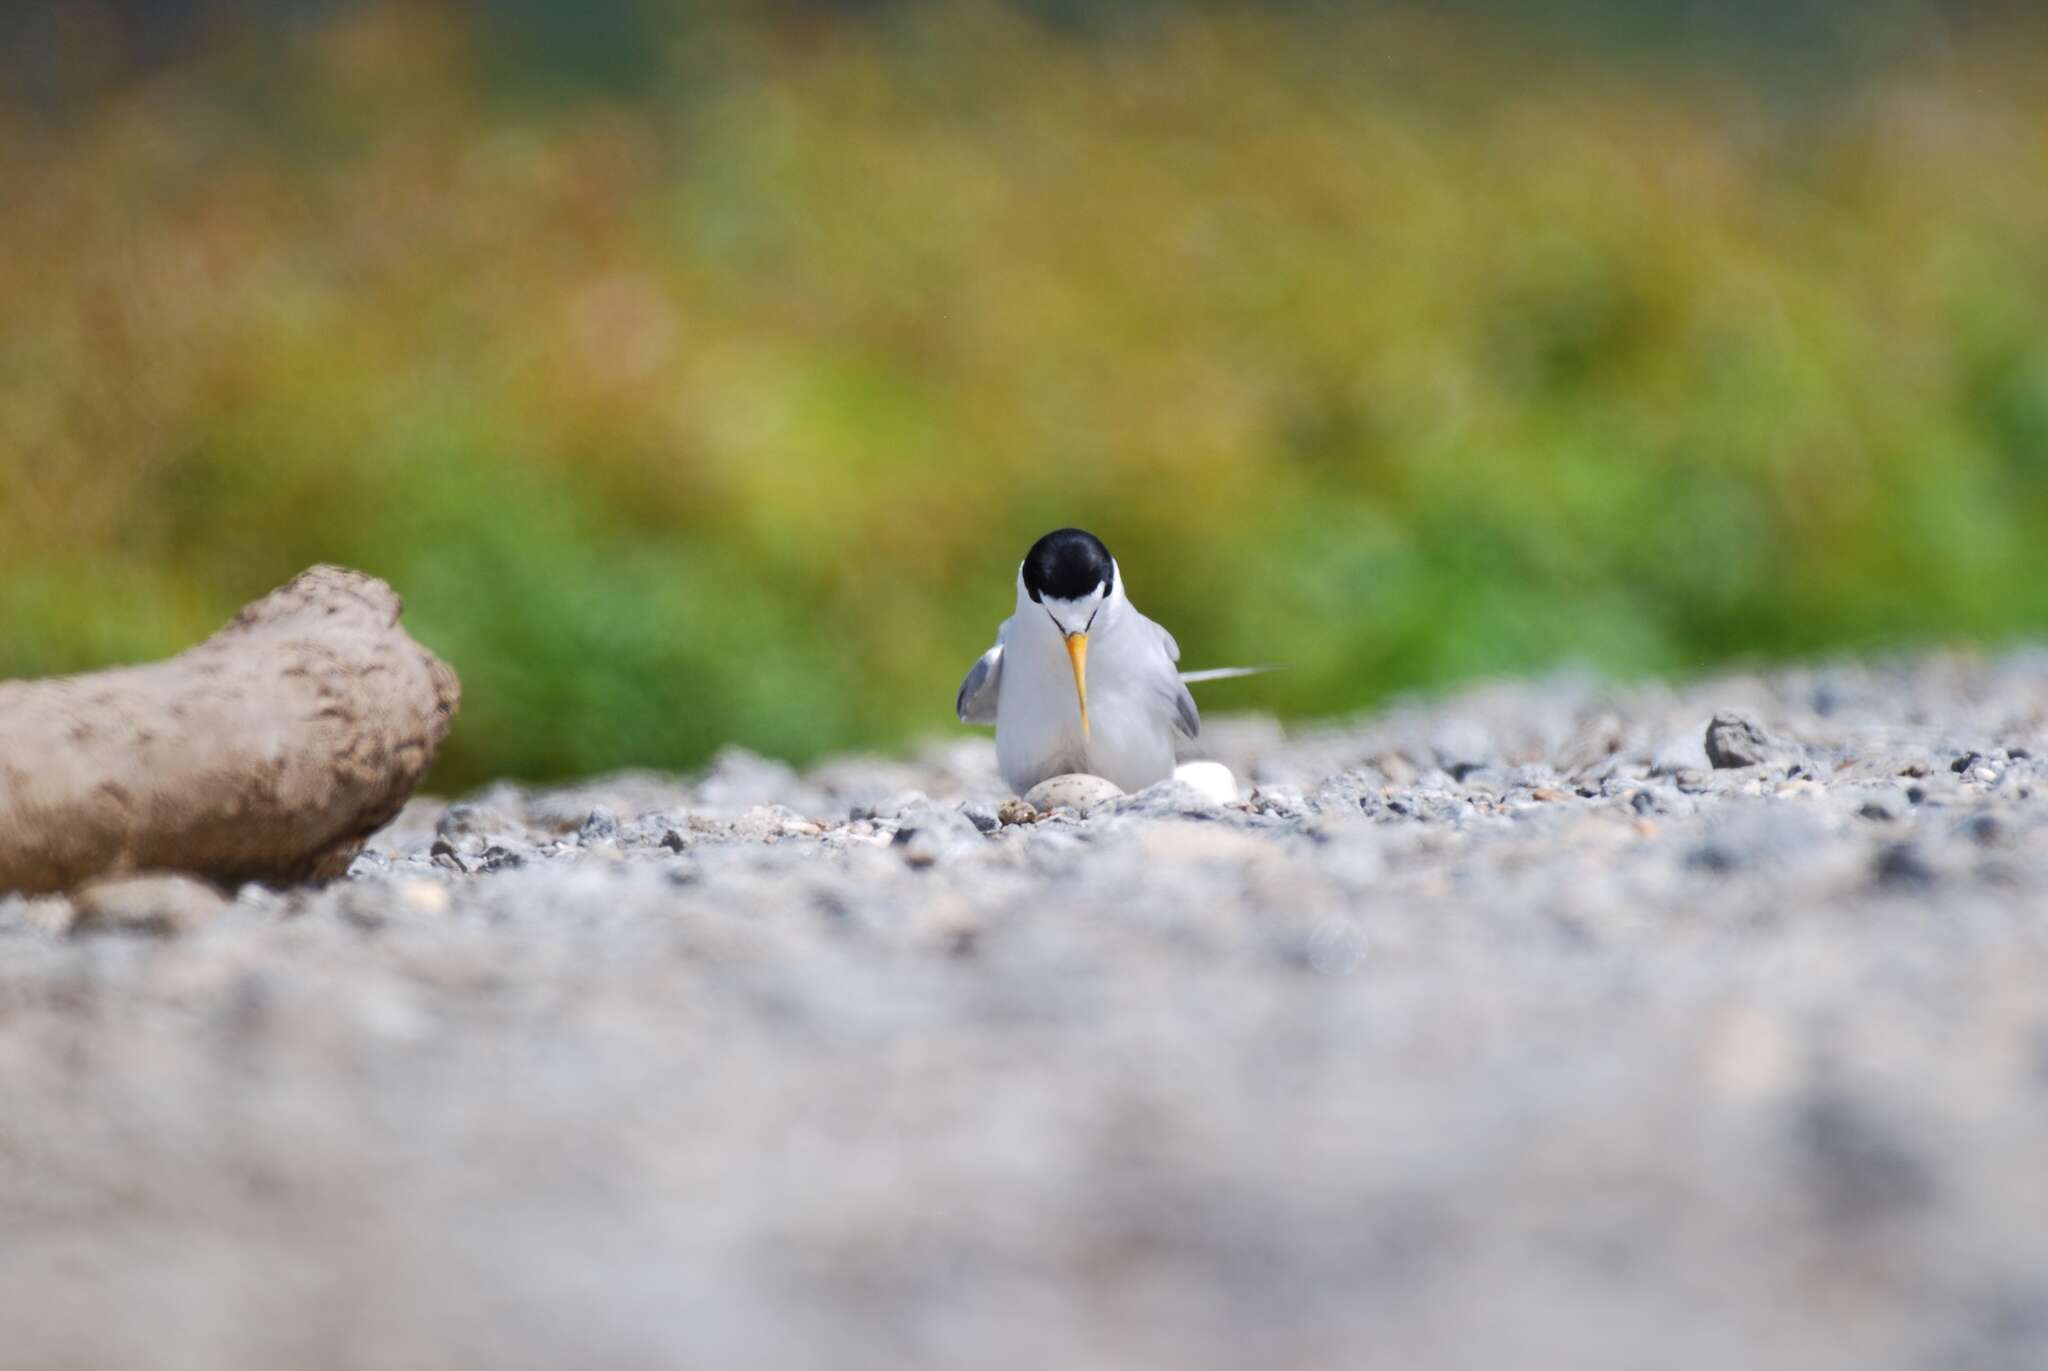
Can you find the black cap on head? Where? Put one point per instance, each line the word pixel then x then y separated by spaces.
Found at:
pixel 1067 564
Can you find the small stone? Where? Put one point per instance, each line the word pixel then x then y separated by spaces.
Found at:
pixel 159 906
pixel 1733 741
pixel 1711 857
pixel 892 807
pixel 931 834
pixel 1398 770
pixel 1169 797
pixel 982 816
pixel 466 820
pixel 368 863
pixel 1076 790
pixel 1016 812
pixel 1985 830
pixel 1901 865
pixel 672 840
pixel 502 859
pixel 601 826
pixel 1284 800
pixel 445 857
pixel 921 847
pixel 768 823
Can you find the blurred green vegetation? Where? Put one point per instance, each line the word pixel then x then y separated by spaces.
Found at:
pixel 718 404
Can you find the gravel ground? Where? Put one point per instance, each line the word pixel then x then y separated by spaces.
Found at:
pixel 1502 1030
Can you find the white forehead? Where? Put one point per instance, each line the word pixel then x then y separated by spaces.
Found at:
pixel 1074 616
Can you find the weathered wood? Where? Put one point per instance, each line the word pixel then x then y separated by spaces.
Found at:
pixel 269 752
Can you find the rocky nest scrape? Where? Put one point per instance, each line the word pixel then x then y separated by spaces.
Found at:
pixel 1544 1025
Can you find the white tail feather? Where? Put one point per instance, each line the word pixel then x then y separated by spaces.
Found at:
pixel 1225 673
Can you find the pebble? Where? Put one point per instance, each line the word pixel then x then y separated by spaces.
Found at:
pixel 1015 811
pixel 602 826
pixel 502 859
pixel 930 834
pixel 480 823
pixel 1561 957
pixel 1279 799
pixel 1902 865
pixel 1734 741
pixel 890 808
pixel 771 823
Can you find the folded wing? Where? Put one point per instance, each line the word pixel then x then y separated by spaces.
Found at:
pixel 976 703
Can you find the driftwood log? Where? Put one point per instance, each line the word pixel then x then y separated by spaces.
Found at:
pixel 269 752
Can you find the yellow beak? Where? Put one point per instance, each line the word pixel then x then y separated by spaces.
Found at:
pixel 1077 653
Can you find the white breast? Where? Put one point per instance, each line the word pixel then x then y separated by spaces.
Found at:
pixel 1038 720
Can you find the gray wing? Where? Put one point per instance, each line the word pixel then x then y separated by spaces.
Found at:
pixel 976 703
pixel 1187 718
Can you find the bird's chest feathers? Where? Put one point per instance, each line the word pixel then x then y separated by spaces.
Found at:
pixel 1038 717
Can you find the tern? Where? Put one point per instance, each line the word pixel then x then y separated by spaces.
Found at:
pixel 1035 684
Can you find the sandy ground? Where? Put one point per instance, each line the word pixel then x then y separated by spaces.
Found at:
pixel 1498 1031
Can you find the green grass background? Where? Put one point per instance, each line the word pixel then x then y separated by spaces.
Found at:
pixel 716 399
